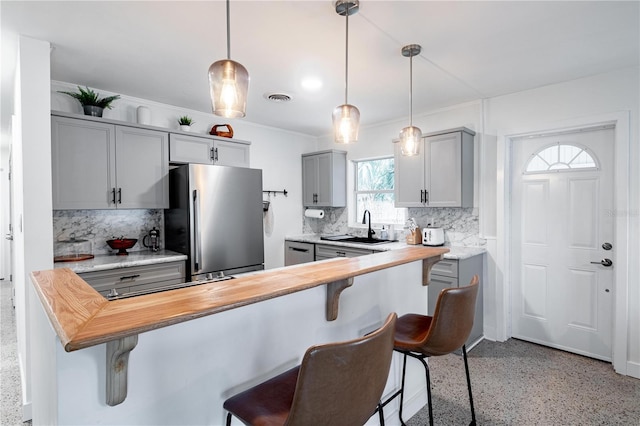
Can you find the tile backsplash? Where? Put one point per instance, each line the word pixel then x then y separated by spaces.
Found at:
pixel 461 226
pixel 98 226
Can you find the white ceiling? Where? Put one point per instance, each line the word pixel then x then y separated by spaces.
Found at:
pixel 161 50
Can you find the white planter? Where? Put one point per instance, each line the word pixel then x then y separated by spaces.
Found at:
pixel 185 128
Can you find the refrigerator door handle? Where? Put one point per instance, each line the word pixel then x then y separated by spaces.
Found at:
pixel 196 231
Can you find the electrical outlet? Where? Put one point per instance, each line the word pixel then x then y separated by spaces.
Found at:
pixel 430 221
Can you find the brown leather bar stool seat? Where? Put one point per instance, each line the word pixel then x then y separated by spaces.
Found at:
pixel 336 384
pixel 422 336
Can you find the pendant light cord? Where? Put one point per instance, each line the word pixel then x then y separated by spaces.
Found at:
pixel 228 34
pixel 411 90
pixel 346 67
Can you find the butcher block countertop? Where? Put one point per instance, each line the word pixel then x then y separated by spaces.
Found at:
pixel 82 318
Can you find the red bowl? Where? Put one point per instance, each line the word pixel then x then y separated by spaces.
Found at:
pixel 122 244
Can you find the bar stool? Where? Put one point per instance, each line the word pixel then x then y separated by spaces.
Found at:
pixel 421 336
pixel 336 384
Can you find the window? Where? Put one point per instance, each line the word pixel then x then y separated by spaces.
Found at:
pixel 559 157
pixel 373 186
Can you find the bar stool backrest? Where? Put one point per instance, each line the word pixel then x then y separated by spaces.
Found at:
pixel 452 320
pixel 342 383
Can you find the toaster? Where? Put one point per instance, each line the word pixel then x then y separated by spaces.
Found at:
pixel 432 236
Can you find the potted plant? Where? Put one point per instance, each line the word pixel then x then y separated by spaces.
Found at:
pixel 185 123
pixel 91 102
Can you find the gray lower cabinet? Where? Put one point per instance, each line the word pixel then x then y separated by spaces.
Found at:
pixel 325 251
pixel 99 165
pixel 208 150
pixel 324 179
pixel 136 278
pixel 458 273
pixel 296 253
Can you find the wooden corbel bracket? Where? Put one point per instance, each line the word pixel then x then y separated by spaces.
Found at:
pixel 117 367
pixel 427 264
pixel 333 296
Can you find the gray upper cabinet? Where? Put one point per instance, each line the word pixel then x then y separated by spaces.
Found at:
pixel 324 177
pixel 208 150
pixel 441 175
pixel 99 165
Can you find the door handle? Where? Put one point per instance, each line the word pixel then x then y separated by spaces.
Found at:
pixel 196 231
pixel 604 262
pixel 9 237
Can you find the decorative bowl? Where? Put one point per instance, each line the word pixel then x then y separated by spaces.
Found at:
pixel 122 244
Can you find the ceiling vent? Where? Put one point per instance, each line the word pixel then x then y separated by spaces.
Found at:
pixel 277 97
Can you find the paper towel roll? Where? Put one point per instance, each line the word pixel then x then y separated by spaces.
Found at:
pixel 314 213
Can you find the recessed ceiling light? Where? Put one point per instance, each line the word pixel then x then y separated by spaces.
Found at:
pixel 311 83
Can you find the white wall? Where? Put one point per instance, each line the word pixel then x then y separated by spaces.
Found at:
pixel 588 97
pixel 276 152
pixel 32 174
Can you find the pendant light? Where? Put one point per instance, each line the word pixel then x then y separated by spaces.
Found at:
pixel 346 117
pixel 410 136
pixel 228 84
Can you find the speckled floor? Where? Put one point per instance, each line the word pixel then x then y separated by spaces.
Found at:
pixel 520 383
pixel 10 405
pixel 514 383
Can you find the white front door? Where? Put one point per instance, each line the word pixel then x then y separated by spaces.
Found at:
pixel 562 220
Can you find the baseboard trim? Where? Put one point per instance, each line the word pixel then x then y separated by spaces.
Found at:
pixel 633 369
pixel 26 412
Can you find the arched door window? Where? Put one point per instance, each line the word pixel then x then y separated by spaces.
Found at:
pixel 561 157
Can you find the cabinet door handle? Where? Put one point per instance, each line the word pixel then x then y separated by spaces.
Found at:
pixel 299 249
pixel 119 195
pixel 212 156
pixel 215 155
pixel 341 254
pixel 113 195
pixel 422 196
pixel 129 277
pixel 426 197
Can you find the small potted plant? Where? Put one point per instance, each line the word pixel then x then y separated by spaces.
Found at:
pixel 185 123
pixel 91 102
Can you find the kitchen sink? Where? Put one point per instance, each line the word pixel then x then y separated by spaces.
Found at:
pixel 357 240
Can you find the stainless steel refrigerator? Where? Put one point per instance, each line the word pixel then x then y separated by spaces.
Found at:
pixel 215 218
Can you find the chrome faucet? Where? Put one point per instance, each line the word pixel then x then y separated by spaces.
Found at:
pixel 370 232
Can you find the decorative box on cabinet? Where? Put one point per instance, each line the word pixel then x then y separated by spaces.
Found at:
pixel 441 175
pixel 208 150
pixel 324 179
pixel 458 273
pixel 100 165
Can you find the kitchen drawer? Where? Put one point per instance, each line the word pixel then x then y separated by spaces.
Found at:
pixel 436 285
pixel 326 251
pixel 124 279
pixel 296 253
pixel 446 267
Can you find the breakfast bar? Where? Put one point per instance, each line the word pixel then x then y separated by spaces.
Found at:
pixel 84 320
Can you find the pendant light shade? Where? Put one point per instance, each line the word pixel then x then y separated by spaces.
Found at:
pixel 410 136
pixel 346 117
pixel 346 123
pixel 410 141
pixel 228 84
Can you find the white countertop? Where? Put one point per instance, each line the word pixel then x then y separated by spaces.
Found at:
pixel 112 261
pixel 456 252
